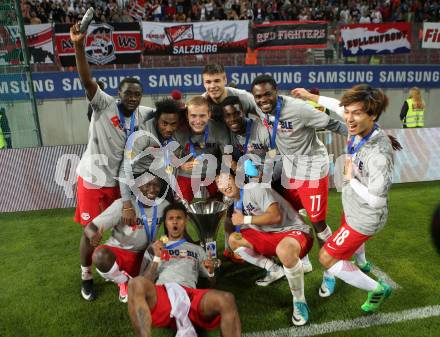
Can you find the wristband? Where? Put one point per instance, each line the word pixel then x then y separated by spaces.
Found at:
pixel 247 219
pixel 156 259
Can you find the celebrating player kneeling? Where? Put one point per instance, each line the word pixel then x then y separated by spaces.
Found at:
pixel 173 301
pixel 121 256
pixel 270 227
pixel 368 176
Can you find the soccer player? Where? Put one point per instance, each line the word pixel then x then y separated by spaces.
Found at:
pixel 270 227
pixel 368 176
pixel 111 124
pixel 205 138
pixel 166 296
pixel 214 81
pixel 292 124
pixel 161 131
pixel 121 256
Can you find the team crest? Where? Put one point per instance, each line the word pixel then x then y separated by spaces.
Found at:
pixel 100 48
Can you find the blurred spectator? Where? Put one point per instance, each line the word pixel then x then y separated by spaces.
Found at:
pixel 333 11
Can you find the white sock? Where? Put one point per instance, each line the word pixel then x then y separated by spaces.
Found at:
pixel 295 277
pixel 359 255
pixel 325 234
pixel 249 255
pixel 86 273
pixel 351 274
pixel 114 274
pixel 305 260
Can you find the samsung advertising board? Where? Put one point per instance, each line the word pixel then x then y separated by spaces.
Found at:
pixel 59 85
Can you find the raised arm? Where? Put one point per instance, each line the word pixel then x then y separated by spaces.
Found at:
pixel 81 61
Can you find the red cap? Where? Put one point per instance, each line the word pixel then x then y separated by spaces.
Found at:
pixel 176 94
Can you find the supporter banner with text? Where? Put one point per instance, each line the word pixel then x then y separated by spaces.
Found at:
pixel 161 81
pixel 371 38
pixel 290 34
pixel 431 35
pixel 195 38
pixel 39 39
pixel 115 43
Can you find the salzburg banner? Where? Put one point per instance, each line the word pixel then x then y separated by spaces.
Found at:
pixel 195 38
pixel 431 35
pixel 381 38
pixel 115 43
pixel 290 34
pixel 39 38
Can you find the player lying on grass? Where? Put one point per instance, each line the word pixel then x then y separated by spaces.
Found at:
pixel 270 227
pixel 368 176
pixel 166 294
pixel 121 256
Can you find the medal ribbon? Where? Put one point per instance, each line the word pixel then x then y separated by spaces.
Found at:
pixel 151 232
pixel 351 149
pixel 248 134
pixel 275 125
pixel 191 145
pixel 175 244
pixel 238 205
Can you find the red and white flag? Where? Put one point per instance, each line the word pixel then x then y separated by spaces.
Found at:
pixel 137 11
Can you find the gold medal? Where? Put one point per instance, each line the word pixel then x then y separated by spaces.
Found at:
pixel 237 236
pixel 130 154
pixel 164 239
pixel 169 169
pixel 202 145
pixel 272 153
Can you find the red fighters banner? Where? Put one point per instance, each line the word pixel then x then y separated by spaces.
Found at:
pixel 290 34
pixel 380 38
pixel 114 43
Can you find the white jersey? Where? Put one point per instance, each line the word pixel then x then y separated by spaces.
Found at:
pixel 218 137
pixel 182 264
pixel 305 157
pixel 256 201
pixel 100 162
pixel 127 237
pixel 373 170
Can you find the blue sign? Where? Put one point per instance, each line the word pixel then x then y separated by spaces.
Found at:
pixel 56 85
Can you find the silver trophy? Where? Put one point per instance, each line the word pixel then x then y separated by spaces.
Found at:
pixel 206 216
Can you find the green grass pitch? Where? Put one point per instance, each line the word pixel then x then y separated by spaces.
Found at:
pixel 40 277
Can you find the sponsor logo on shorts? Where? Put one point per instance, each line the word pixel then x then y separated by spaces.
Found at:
pixel 85 216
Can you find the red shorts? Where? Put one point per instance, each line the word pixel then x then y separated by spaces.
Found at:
pixel 344 242
pixel 90 202
pixel 186 188
pixel 160 314
pixel 309 194
pixel 266 243
pixel 127 260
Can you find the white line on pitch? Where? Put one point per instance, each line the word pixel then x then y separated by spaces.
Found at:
pixel 384 277
pixel 357 323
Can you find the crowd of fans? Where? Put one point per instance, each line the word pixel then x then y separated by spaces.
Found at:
pixel 334 11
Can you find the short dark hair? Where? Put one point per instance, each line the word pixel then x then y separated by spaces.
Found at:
pixel 260 79
pixel 213 68
pixel 130 80
pixel 178 206
pixel 374 100
pixel 167 106
pixel 231 100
